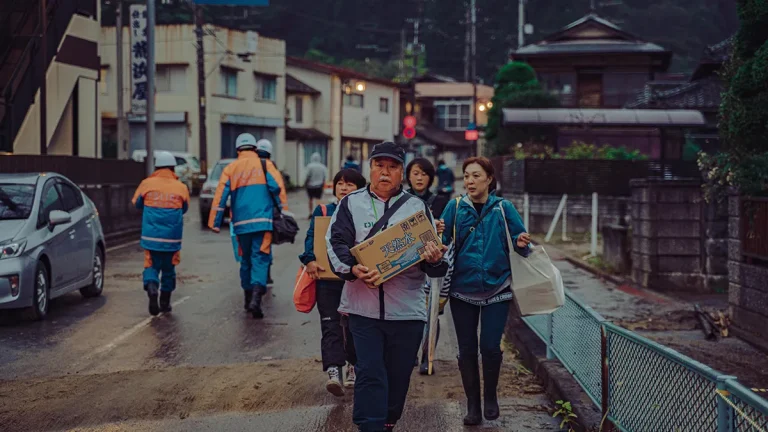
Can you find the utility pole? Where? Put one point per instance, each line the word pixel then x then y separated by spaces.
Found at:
pixel 473 111
pixel 202 130
pixel 150 159
pixel 403 74
pixel 521 23
pixel 43 69
pixel 467 43
pixel 120 95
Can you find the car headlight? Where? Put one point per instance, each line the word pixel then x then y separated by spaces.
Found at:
pixel 12 250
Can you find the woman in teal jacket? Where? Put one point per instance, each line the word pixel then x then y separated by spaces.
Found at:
pixel 481 280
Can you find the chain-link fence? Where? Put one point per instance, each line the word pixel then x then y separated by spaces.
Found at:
pixel 642 385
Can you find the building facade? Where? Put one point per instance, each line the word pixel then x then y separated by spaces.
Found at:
pixel 244 91
pixel 336 112
pixel 66 73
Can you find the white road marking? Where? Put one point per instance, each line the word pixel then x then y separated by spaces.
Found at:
pixel 133 330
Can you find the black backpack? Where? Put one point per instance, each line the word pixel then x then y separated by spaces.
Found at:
pixel 284 226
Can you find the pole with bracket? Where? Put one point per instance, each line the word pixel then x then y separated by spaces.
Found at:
pixel 150 160
pixel 201 100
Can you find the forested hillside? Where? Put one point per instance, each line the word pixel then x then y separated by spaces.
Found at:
pixel 359 29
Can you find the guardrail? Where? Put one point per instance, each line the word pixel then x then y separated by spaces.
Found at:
pixel 640 385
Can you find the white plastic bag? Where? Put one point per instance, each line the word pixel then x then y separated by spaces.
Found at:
pixel 536 283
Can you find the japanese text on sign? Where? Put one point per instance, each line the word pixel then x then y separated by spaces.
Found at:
pixel 139 56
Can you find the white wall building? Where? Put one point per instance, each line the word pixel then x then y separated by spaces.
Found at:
pixel 243 93
pixel 336 112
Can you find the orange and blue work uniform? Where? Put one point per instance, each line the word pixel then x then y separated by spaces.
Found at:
pixel 253 193
pixel 163 200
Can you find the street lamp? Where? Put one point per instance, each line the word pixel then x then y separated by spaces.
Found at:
pixel 360 86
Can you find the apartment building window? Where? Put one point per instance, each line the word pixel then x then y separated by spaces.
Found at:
pixel 266 88
pixel 103 84
pixel 384 105
pixel 228 85
pixel 353 100
pixel 452 115
pixel 299 109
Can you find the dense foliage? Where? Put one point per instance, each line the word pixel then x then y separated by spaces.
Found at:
pixel 360 29
pixel 744 110
pixel 516 86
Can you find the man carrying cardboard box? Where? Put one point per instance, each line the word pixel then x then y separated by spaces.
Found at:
pixel 386 320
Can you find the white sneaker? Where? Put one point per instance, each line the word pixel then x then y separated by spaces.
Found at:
pixel 349 382
pixel 333 385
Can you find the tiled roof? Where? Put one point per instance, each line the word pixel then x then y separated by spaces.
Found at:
pixel 293 85
pixel 703 95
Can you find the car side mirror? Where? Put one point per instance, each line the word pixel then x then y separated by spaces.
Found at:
pixel 58 217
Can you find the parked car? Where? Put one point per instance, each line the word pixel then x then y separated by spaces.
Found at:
pixel 209 189
pixel 187 168
pixel 51 242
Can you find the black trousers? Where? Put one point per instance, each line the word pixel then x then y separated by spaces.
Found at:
pixel 337 346
pixel 492 319
pixel 387 349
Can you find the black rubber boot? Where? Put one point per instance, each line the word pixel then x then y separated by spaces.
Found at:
pixel 269 276
pixel 248 298
pixel 256 311
pixel 470 377
pixel 165 301
pixel 491 370
pixel 152 290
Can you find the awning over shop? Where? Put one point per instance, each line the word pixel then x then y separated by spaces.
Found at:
pixel 308 134
pixel 603 117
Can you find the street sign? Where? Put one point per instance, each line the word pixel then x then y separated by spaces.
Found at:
pixel 409 121
pixel 471 135
pixel 233 2
pixel 471 126
pixel 139 54
pixel 409 133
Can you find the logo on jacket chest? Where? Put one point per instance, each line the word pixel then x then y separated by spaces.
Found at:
pixel 161 199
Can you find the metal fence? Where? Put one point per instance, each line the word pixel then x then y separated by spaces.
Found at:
pixel 642 385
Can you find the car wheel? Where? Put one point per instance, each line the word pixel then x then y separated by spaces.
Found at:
pixel 41 295
pixel 97 286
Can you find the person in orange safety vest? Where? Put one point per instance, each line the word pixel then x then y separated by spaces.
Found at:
pixel 163 200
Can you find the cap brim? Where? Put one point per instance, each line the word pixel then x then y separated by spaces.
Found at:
pixel 388 155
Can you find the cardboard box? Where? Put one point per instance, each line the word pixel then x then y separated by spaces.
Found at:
pixel 321 252
pixel 398 247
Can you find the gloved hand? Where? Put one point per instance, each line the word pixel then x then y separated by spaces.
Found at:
pixel 443 302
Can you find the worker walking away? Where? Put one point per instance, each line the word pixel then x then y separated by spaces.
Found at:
pixel 253 192
pixel 264 150
pixel 163 200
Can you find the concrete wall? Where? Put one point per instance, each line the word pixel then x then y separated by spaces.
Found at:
pixel 678 241
pixel 61 81
pixel 748 285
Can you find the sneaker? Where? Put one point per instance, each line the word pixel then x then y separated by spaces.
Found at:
pixel 333 385
pixel 349 382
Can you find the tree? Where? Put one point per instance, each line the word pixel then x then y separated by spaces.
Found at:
pixel 744 110
pixel 516 87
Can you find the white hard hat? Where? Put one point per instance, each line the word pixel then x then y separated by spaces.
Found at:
pixel 245 140
pixel 163 159
pixel 264 145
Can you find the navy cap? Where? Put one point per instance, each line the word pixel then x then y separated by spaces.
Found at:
pixel 388 149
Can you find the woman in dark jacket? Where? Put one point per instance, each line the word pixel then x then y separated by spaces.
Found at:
pixel 420 174
pixel 481 281
pixel 336 343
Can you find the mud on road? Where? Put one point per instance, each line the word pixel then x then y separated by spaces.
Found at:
pixel 72 401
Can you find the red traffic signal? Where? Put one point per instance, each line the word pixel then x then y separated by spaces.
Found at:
pixel 471 135
pixel 409 133
pixel 409 121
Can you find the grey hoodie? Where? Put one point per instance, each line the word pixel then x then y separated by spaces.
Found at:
pixel 317 173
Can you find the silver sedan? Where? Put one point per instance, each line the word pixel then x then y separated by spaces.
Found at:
pixel 51 242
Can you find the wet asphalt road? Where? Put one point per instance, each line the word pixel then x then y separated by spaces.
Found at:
pixel 208 328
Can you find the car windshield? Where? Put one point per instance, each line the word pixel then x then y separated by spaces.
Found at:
pixel 194 163
pixel 16 201
pixel 217 170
